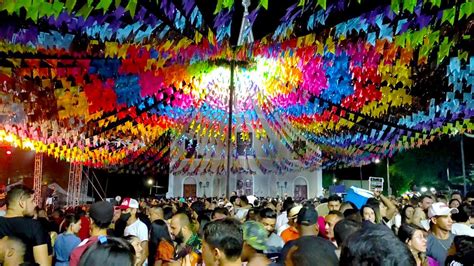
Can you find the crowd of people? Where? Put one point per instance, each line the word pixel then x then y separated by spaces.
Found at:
pixel 423 230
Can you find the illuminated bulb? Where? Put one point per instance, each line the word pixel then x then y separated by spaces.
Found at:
pixel 9 138
pixel 28 144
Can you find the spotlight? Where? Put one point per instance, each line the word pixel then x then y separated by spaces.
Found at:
pixel 423 189
pixel 9 152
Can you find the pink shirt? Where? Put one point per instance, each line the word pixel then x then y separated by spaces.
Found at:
pixel 322 226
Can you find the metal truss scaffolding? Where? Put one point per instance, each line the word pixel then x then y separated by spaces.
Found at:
pixel 85 186
pixel 38 177
pixel 74 187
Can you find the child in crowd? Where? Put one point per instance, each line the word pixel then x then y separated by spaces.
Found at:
pixel 67 241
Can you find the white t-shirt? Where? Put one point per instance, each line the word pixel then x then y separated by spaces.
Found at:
pixel 462 229
pixel 241 213
pixel 398 220
pixel 138 229
pixel 425 224
pixel 392 222
pixel 282 228
pixel 281 221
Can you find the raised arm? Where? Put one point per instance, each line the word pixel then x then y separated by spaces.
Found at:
pixel 391 208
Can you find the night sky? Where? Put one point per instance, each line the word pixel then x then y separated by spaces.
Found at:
pixel 20 164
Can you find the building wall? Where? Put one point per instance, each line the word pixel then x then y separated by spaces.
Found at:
pixel 263 185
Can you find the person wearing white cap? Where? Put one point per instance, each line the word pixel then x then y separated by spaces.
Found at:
pixel 291 233
pixel 135 227
pixel 230 207
pixel 440 238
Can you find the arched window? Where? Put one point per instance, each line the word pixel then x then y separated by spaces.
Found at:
pixel 301 188
pixel 245 185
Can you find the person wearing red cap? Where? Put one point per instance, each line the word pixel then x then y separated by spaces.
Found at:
pixel 134 226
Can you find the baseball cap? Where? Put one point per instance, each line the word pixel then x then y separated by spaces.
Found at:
pixel 220 203
pixel 294 211
pixel 307 216
pixel 255 235
pixel 251 199
pixel 129 203
pixel 440 209
pixel 102 212
pixel 229 206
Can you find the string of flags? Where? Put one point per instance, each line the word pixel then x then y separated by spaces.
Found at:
pixel 107 83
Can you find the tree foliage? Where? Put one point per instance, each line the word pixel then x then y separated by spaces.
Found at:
pixel 426 166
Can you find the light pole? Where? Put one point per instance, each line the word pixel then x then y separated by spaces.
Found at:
pixel 150 183
pixel 389 188
pixel 245 36
pixel 463 164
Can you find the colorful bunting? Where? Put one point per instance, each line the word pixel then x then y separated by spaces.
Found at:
pixel 109 85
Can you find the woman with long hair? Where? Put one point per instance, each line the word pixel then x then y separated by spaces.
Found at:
pixel 371 213
pixel 407 214
pixel 415 238
pixel 404 216
pixel 161 245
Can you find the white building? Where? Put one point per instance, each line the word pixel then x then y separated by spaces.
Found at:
pixel 296 181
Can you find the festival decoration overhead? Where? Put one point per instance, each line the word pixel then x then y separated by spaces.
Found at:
pixel 109 83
